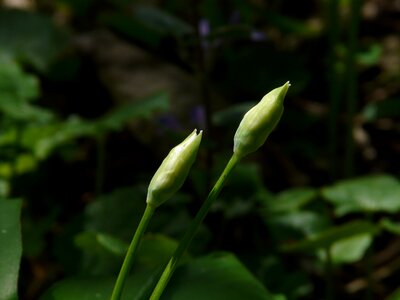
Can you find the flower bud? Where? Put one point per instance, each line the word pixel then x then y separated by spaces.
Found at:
pixel 259 122
pixel 173 171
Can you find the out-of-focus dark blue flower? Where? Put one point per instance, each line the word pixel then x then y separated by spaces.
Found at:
pixel 198 116
pixel 169 122
pixel 257 36
pixel 204 31
pixel 235 17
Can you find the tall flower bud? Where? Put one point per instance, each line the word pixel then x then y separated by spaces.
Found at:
pixel 259 122
pixel 173 171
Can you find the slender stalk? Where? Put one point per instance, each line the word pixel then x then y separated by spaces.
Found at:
pixel 351 85
pixel 130 255
pixel 329 274
pixel 191 231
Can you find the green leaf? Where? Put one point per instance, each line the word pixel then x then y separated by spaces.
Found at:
pixel 369 194
pixel 10 247
pixel 290 200
pixel 351 249
pixel 332 235
pixel 213 277
pixel 30 37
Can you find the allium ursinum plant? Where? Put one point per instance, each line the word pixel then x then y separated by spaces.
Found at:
pixel 251 134
pixel 168 179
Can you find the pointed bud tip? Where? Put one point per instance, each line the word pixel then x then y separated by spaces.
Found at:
pixel 259 121
pixel 174 169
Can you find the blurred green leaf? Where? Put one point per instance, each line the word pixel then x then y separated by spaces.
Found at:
pixel 296 224
pixel 79 7
pixel 4 188
pixel 290 25
pixel 351 249
pixel 217 276
pixel 291 282
pixel 132 28
pixel 231 115
pixel 100 288
pixel 10 247
pixel 35 231
pixel 30 37
pixel 43 139
pixel 290 200
pixel 369 194
pixel 25 111
pixel 15 84
pixel 370 56
pixel 128 112
pixel 8 136
pixel 24 163
pixel 160 20
pixel 6 170
pixel 395 295
pixel 332 235
pixel 155 250
pixel 383 109
pixel 117 213
pixel 17 89
pixel 102 253
pixel 390 226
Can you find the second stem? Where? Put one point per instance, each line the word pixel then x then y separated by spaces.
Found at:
pixel 190 233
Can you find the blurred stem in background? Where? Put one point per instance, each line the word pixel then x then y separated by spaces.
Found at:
pixel 335 85
pixel 351 80
pixel 100 163
pixel 329 274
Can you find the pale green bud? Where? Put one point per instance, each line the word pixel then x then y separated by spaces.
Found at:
pixel 173 171
pixel 259 122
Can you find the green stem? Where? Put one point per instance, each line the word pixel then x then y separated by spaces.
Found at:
pixel 127 265
pixel 191 231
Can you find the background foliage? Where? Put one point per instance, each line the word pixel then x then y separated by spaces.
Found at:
pixel 93 94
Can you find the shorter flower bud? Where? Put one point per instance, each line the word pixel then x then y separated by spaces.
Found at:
pixel 259 122
pixel 173 171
